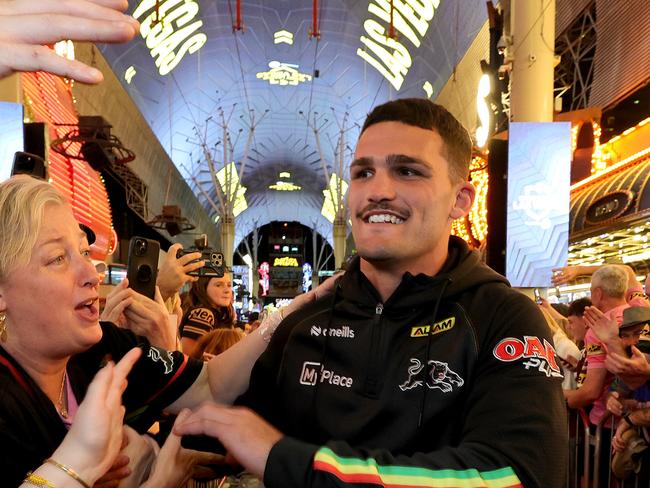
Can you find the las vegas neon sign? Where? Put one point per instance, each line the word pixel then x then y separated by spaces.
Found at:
pixel 170 30
pixel 391 57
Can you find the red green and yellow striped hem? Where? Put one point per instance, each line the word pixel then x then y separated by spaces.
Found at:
pixel 354 470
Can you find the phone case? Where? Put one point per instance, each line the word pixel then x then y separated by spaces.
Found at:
pixel 142 268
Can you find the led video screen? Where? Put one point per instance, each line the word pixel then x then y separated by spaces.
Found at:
pixel 539 166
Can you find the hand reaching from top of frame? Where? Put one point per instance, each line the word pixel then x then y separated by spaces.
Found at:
pixel 564 275
pixel 26 26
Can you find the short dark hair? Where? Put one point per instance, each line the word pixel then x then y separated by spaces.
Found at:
pixel 423 113
pixel 577 307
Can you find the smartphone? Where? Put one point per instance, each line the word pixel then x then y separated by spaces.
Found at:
pixel 538 297
pixel 142 268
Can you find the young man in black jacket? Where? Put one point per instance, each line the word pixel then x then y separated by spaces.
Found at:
pixel 423 368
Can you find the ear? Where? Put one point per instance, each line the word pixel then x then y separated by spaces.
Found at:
pixel 465 195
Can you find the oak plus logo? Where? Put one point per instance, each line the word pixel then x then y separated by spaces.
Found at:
pixel 537 354
pixel 313 373
pixel 344 332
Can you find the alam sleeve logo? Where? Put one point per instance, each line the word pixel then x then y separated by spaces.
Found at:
pixel 535 353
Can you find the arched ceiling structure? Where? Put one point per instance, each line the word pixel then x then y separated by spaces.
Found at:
pixel 215 94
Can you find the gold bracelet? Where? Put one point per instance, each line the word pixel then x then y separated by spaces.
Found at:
pixel 36 480
pixel 69 471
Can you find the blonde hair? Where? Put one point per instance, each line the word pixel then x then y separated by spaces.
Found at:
pixel 22 202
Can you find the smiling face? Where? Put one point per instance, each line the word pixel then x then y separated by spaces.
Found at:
pixel 52 301
pixel 402 200
pixel 219 290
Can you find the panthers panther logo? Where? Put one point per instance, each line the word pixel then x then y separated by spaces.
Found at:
pixel 439 376
pixel 165 357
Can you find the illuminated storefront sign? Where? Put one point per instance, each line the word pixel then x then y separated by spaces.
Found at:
pixel 286 262
pixel 389 56
pixel 170 31
pixel 283 74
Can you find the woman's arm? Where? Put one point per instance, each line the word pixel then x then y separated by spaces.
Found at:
pixel 226 376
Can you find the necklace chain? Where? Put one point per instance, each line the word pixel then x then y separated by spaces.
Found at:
pixel 63 397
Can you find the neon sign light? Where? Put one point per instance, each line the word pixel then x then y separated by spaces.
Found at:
pixel 286 262
pixel 170 31
pixel 283 36
pixel 283 74
pixel 428 89
pixel 389 56
pixel 263 270
pixel 65 49
pixel 285 186
pixel 129 74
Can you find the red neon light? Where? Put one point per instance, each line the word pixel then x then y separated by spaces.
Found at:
pixel 50 101
pixel 238 20
pixel 314 32
pixel 391 27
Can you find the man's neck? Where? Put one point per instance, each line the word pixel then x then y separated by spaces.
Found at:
pixel 609 303
pixel 386 277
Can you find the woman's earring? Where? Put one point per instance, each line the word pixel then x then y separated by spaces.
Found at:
pixel 3 327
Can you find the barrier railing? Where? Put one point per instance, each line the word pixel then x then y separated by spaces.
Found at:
pixel 587 444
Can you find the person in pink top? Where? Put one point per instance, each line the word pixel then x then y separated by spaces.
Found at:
pixel 608 289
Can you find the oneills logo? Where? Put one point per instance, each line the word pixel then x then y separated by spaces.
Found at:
pixel 442 326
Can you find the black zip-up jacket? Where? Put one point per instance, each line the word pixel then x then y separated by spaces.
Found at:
pixel 451 382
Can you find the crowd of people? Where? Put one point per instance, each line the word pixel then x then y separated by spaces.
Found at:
pixel 610 333
pixel 419 366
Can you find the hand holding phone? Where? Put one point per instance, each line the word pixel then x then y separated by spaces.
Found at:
pixel 142 268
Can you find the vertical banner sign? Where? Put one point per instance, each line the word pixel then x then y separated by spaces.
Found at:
pixel 11 136
pixel 539 166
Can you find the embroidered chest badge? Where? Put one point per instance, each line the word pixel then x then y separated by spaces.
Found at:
pixel 439 376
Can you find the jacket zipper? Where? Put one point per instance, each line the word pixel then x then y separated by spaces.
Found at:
pixel 372 379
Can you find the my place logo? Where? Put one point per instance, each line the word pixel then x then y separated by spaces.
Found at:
pixel 313 373
pixel 344 332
